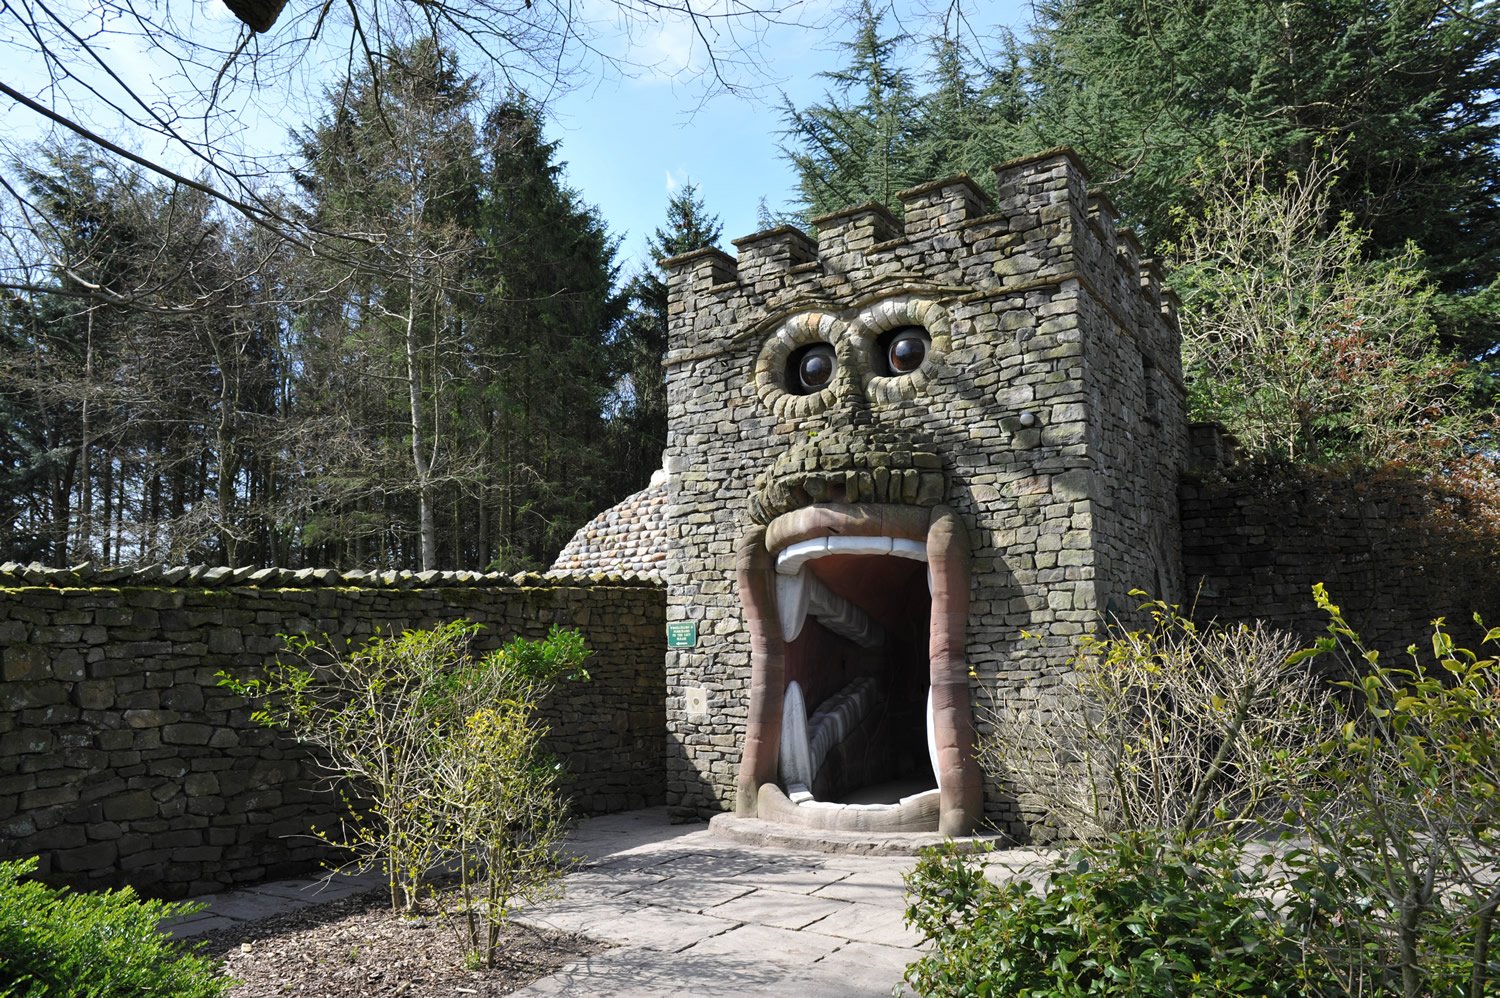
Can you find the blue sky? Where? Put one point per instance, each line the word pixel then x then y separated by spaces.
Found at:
pixel 629 143
pixel 629 138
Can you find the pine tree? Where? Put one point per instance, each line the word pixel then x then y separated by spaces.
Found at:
pixel 639 426
pixel 393 161
pixel 1405 93
pixel 857 145
pixel 542 332
pixel 877 132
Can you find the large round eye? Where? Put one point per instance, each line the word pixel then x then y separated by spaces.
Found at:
pixel 905 349
pixel 810 369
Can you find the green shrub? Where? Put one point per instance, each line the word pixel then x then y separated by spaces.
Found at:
pixel 439 755
pixel 56 943
pixel 1130 914
pixel 1377 787
pixel 1395 874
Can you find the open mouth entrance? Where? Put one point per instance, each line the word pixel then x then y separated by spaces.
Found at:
pixel 859 712
pixel 855 618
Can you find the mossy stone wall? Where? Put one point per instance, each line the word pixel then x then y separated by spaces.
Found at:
pixel 123 761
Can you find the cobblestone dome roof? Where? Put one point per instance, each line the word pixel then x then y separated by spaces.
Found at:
pixel 628 538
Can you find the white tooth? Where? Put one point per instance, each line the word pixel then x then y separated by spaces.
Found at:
pixel 793 556
pixel 932 752
pixel 800 594
pixel 859 545
pixel 903 547
pixel 792 594
pixel 841 616
pixel 796 754
pixel 838 716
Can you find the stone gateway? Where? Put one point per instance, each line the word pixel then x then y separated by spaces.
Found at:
pixel 893 451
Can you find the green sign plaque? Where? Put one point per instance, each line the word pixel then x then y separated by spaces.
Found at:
pixel 682 634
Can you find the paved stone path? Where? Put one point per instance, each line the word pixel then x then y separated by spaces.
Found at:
pixel 691 913
pixel 695 914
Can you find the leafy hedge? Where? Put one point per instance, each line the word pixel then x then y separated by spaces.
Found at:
pixel 1131 914
pixel 55 943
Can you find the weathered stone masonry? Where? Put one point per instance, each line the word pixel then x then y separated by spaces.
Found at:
pixel 1051 398
pixel 1395 550
pixel 123 761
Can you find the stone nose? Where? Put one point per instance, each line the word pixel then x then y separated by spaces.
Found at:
pixel 850 406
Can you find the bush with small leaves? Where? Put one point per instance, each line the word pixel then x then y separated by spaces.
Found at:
pixel 55 943
pixel 387 714
pixel 1130 914
pixel 1395 848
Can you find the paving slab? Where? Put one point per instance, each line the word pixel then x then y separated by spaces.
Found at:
pixel 781 909
pixel 651 927
pixel 687 913
pixel 322 889
pixel 784 947
pixel 792 876
pixel 691 894
pixel 631 973
pixel 872 967
pixel 196 925
pixel 884 886
pixel 709 860
pixel 249 905
pixel 867 923
pixel 604 882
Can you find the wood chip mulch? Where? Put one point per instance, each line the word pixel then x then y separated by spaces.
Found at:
pixel 356 947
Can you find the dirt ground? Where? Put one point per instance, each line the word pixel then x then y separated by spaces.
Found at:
pixel 357 947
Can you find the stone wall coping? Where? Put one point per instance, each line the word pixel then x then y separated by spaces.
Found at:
pixel 86 574
pixel 868 208
pixel 932 186
pixel 1068 152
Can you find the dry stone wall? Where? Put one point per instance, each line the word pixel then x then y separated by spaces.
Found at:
pixel 123 761
pixel 1394 550
pixel 1054 399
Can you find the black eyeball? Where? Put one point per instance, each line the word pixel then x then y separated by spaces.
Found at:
pixel 810 369
pixel 904 350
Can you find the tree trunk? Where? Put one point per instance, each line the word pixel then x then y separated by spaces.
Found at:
pixel 426 526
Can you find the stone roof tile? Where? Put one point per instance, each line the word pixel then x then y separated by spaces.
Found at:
pixel 628 538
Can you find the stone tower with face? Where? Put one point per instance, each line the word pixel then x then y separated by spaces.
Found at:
pixel 892 451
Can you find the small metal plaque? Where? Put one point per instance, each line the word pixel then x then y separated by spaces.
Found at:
pixel 682 634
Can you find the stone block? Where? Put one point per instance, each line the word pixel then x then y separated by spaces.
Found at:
pixel 17 696
pixel 100 856
pixel 225 641
pixel 186 734
pixel 94 694
pixel 27 740
pixel 131 806
pixel 49 797
pixel 25 663
pixel 149 718
pixel 183 697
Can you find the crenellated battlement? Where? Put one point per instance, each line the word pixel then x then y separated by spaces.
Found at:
pixel 1040 225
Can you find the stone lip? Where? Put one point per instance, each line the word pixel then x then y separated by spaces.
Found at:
pixel 917 814
pixel 760 832
pixel 850 464
pixel 848 520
